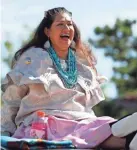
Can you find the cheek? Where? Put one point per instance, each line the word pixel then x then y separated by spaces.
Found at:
pixel 55 36
pixel 72 33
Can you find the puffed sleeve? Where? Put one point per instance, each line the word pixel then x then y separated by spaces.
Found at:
pixel 90 81
pixel 32 67
pixel 96 91
pixel 11 102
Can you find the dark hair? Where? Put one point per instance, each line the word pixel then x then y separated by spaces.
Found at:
pixel 40 37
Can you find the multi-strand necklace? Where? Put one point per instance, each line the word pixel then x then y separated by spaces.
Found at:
pixel 68 76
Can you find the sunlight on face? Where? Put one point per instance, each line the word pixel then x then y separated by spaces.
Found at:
pixel 61 32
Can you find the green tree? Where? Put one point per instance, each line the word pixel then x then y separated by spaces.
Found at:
pixel 120 43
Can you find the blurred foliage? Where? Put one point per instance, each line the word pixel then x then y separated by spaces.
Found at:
pixel 9 46
pixel 109 108
pixel 120 44
pixel 116 108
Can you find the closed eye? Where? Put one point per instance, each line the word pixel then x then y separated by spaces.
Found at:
pixel 60 24
pixel 69 24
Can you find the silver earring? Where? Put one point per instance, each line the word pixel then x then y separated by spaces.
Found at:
pixel 47 44
pixel 73 44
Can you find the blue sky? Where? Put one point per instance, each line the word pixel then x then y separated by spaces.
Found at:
pixel 86 13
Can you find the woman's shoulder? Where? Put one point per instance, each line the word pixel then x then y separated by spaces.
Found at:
pixel 30 66
pixel 35 52
pixel 34 56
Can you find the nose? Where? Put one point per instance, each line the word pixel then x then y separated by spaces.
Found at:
pixel 66 27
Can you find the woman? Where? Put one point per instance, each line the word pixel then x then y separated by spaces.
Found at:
pixel 48 75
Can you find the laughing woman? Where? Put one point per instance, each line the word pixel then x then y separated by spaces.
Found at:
pixel 48 74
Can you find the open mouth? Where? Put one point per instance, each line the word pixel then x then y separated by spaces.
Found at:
pixel 64 36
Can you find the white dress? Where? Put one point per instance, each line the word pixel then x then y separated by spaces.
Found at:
pixel 34 85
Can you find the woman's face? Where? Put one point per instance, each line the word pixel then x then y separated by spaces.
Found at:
pixel 61 32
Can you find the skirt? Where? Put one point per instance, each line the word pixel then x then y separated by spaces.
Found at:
pixel 86 133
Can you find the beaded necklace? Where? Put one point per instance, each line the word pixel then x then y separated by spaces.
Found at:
pixel 68 76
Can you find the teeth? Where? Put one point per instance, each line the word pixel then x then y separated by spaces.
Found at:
pixel 64 34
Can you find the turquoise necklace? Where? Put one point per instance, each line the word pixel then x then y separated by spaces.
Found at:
pixel 68 76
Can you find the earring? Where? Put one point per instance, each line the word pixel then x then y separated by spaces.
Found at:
pixel 73 44
pixel 47 44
